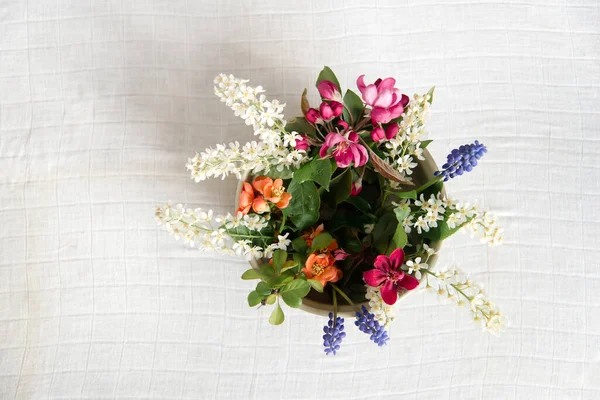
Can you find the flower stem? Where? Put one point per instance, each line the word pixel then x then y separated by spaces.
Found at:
pixel 337 289
pixel 431 182
pixel 335 306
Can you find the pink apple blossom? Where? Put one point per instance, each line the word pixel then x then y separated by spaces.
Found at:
pixel 302 144
pixel 377 134
pixel 356 188
pixel 329 91
pixel 345 149
pixel 386 101
pixel 331 110
pixel 314 117
pixel 391 131
pixel 388 273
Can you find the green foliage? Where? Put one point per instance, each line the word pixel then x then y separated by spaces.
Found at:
pixel 430 93
pixel 279 258
pixel 316 285
pixel 285 173
pixel 399 239
pixel 299 245
pixel 442 231
pixel 385 227
pixel 327 75
pixel 425 143
pixel 407 195
pixel 303 209
pixel 277 316
pixel 293 292
pixel 355 104
pixel 254 298
pixel 361 204
pixel 321 241
pixel 300 125
pixel 402 212
pixel 317 170
pixel 340 188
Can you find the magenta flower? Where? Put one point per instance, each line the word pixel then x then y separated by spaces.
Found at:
pixel 389 275
pixel 387 101
pixel 302 144
pixel 377 134
pixel 345 149
pixel 356 188
pixel 313 116
pixel 329 91
pixel 331 110
pixel 340 254
pixel 391 131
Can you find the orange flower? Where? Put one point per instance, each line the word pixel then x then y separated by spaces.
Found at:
pixel 260 182
pixel 309 236
pixel 321 268
pixel 259 205
pixel 285 200
pixel 246 198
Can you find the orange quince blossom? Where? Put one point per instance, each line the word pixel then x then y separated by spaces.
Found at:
pixel 260 182
pixel 260 205
pixel 246 198
pixel 309 236
pixel 321 267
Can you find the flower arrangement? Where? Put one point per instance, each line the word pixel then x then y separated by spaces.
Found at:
pixel 335 205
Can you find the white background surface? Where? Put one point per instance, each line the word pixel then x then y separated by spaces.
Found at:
pixel 101 103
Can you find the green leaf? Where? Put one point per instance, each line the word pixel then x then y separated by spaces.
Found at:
pixel 254 298
pixel 355 104
pixel 385 227
pixel 252 274
pixel 277 316
pixel 425 143
pixel 289 265
pixel 297 287
pixel 285 173
pixel 315 285
pixel 263 288
pixel 303 209
pixel 430 93
pixel 407 195
pixel 442 231
pixel 399 239
pixel 281 280
pixel 291 300
pixel 341 189
pixel 279 257
pixel 433 189
pixel 271 299
pixel 327 75
pixel 299 245
pixel 361 204
pixel 300 125
pixel 300 259
pixel 402 212
pixel 321 241
pixel 304 106
pixel 317 170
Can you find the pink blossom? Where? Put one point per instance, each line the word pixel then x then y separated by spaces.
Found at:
pixel 388 273
pixel 356 188
pixel 387 101
pixel 331 110
pixel 340 254
pixel 345 149
pixel 377 134
pixel 391 131
pixel 302 144
pixel 313 116
pixel 329 91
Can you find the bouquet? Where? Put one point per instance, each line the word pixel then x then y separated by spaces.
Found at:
pixel 341 209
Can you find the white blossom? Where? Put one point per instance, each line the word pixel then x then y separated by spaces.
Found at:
pixel 415 266
pixel 456 286
pixel 283 241
pixel 384 313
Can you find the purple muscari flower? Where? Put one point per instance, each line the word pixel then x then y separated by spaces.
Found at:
pixel 462 160
pixel 334 333
pixel 367 323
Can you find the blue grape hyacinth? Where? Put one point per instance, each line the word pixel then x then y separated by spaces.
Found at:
pixel 334 333
pixel 461 160
pixel 367 323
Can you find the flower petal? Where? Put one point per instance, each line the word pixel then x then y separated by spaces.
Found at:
pixel 384 99
pixel 409 282
pixel 397 259
pixel 382 262
pixel 369 95
pixel 360 83
pixel 380 115
pixel 387 83
pixel 388 292
pixel 374 277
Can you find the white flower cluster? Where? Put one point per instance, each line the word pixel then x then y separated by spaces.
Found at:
pixel 459 289
pixel 275 148
pixel 209 232
pixel 481 223
pixel 384 313
pixel 406 145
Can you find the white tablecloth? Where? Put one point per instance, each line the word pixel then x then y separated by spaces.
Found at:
pixel 102 102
